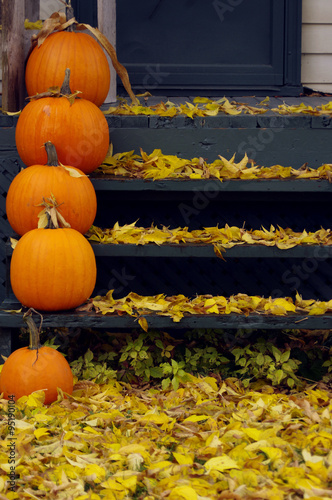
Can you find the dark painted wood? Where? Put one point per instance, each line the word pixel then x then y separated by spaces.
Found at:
pixel 320 252
pixel 265 57
pixel 207 251
pixel 193 45
pixel 292 49
pixel 6 342
pixel 109 183
pixel 280 146
pixel 233 321
pixel 85 11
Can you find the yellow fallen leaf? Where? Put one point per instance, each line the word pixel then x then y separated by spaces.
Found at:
pixel 196 418
pixel 95 472
pixel 220 464
pixel 183 459
pixel 289 306
pixel 42 431
pixel 143 323
pixel 185 492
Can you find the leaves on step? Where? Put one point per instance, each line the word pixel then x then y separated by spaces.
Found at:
pixel 222 238
pixel 289 109
pixel 159 166
pixel 201 106
pixel 204 106
pixel 178 306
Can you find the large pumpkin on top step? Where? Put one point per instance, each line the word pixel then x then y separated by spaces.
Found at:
pixel 77 128
pixel 72 189
pixel 81 53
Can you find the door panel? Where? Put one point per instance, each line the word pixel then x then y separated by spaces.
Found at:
pixel 204 45
pixel 198 43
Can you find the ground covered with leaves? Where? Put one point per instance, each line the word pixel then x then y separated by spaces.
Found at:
pixel 209 439
pixel 204 415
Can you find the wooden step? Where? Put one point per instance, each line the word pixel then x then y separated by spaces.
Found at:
pixel 268 138
pixel 72 319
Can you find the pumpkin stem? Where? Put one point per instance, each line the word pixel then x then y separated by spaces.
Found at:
pixel 52 157
pixel 33 331
pixel 70 15
pixel 50 224
pixel 65 88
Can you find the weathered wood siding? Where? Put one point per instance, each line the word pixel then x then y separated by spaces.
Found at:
pixel 317 45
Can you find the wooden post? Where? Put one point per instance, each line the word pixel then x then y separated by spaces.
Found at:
pixel 32 8
pixel 107 25
pixel 12 54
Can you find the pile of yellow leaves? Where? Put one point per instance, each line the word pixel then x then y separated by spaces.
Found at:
pixel 204 106
pixel 208 440
pixel 285 109
pixel 159 166
pixel 178 306
pixel 201 106
pixel 225 237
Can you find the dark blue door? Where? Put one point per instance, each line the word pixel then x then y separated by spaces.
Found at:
pixel 207 45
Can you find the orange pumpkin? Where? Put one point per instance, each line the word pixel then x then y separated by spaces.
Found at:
pixel 81 53
pixel 35 368
pixel 53 269
pixel 70 186
pixel 77 128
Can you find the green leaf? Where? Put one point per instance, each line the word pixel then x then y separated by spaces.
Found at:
pixel 165 383
pixel 290 382
pixel 278 375
pixel 156 372
pixel 276 353
pixel 175 383
pixel 287 367
pixel 285 356
pixel 88 356
pixel 50 343
pixel 167 369
pixel 237 353
pixel 260 360
pixel 159 344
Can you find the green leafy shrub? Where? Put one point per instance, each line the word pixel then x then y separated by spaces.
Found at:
pixel 263 360
pixel 280 358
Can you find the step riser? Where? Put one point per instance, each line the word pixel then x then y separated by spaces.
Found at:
pixel 265 146
pixel 288 141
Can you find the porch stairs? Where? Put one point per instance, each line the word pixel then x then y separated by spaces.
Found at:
pixel 268 139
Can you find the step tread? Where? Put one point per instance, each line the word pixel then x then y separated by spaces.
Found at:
pixel 217 321
pixel 104 182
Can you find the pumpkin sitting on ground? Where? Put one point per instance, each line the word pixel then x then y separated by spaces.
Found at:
pixel 70 186
pixel 35 368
